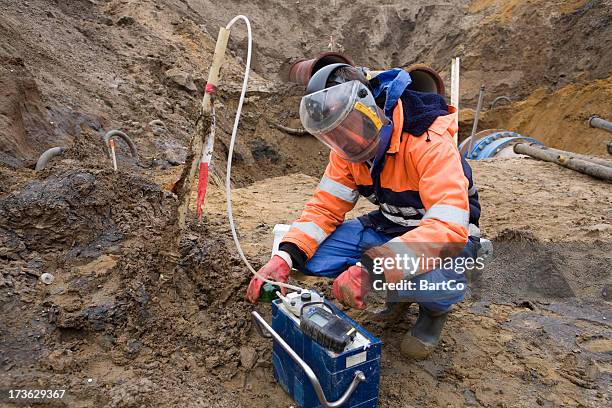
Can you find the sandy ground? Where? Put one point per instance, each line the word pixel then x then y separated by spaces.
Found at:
pixel 502 343
pixel 125 325
pixel 548 202
pixel 134 319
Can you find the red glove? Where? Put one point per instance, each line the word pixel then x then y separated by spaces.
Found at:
pixel 351 286
pixel 277 269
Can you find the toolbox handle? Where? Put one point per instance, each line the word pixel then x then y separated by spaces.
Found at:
pixel 264 330
pixel 317 302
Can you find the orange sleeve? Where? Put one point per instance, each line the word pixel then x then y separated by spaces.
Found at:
pixel 335 195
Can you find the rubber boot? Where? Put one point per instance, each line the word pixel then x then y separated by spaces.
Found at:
pixel 425 335
pixel 392 313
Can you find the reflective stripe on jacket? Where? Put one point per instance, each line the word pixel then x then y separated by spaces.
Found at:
pixel 423 194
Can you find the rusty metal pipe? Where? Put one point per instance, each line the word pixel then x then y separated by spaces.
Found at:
pixel 425 79
pixel 301 70
pixel 476 116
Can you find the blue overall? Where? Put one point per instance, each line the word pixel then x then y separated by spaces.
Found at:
pixel 344 247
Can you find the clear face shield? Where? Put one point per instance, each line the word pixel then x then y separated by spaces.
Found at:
pixel 345 118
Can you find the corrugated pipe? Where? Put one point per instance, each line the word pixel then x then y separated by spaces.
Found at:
pixel 597 122
pixel 48 155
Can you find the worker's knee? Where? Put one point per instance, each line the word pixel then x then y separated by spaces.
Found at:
pixel 342 249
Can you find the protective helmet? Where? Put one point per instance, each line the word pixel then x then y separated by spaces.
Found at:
pixel 342 114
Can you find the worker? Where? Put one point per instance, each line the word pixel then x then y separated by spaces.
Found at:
pixel 394 146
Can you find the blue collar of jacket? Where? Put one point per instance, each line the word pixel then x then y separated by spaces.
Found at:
pixel 392 84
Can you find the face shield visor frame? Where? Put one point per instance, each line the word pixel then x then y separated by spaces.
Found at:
pixel 345 118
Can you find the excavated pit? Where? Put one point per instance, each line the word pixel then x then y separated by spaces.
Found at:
pixel 149 335
pixel 132 321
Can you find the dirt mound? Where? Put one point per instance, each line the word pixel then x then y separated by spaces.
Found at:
pixel 115 323
pixel 79 210
pixel 558 119
pixel 151 58
pixel 517 45
pixel 521 45
pixel 543 271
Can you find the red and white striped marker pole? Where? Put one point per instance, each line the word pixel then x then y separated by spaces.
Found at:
pixel 111 144
pixel 197 145
pixel 207 153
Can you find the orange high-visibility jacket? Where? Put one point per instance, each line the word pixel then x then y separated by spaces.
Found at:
pixel 424 190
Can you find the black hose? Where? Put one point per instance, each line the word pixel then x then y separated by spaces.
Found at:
pixel 157 122
pixel 499 98
pixel 48 155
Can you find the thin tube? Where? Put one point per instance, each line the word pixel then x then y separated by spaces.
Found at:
pixel 228 188
pixel 476 117
pixel 48 155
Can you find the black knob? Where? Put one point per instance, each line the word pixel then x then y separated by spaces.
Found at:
pixel 306 297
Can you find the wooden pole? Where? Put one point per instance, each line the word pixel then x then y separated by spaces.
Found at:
pixel 183 186
pixel 579 165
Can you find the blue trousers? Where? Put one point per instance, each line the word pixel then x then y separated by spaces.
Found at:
pixel 344 247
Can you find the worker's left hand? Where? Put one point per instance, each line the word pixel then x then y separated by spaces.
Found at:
pixel 351 286
pixel 373 260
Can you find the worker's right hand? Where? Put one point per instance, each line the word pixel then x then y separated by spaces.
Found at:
pixel 351 286
pixel 277 269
